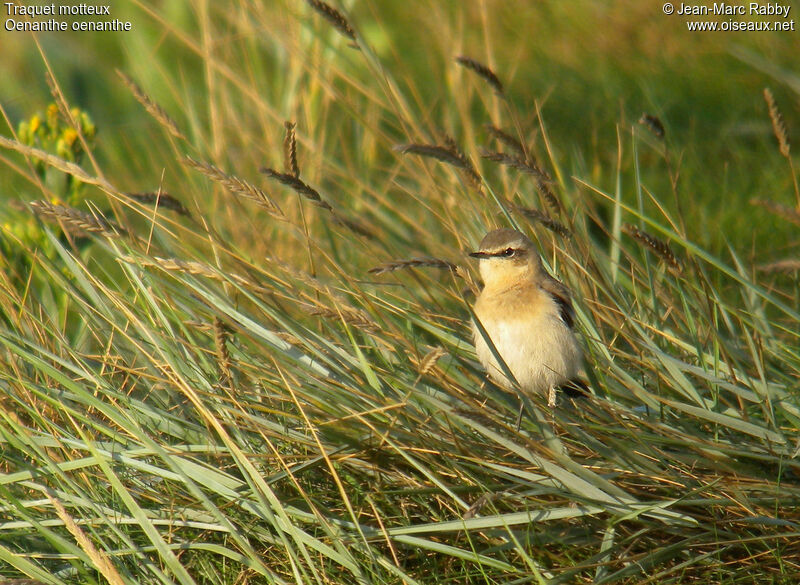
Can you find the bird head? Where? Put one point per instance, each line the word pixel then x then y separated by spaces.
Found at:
pixel 506 257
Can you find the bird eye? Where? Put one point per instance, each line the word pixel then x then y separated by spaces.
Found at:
pixel 508 252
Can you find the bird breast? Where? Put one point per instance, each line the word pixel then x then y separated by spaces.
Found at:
pixel 528 332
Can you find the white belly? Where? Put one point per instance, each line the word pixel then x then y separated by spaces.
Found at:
pixel 541 352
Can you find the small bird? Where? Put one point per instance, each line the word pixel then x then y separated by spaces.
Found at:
pixel 528 316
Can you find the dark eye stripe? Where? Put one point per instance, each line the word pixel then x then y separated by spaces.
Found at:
pixel 507 253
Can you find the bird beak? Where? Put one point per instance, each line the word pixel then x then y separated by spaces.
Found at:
pixel 479 254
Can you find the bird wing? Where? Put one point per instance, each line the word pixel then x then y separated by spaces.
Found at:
pixel 560 294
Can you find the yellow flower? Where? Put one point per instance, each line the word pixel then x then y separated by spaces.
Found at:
pixel 69 135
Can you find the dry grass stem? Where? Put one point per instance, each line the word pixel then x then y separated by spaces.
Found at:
pixel 343 310
pixel 289 338
pixel 653 123
pixel 415 263
pixel 659 247
pixel 483 71
pixel 540 217
pixel 785 265
pixel 58 163
pixel 336 18
pixel 196 268
pixel 155 110
pixel 74 220
pixel 356 316
pixel 783 211
pixel 311 281
pixel 290 165
pixel 349 315
pixel 58 98
pixel 778 125
pixel 164 200
pixel 235 185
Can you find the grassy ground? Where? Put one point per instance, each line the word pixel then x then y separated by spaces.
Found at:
pixel 224 393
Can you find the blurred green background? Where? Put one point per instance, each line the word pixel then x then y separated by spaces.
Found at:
pixel 594 67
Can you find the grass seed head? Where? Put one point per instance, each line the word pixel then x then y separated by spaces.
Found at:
pixel 224 361
pixel 415 263
pixel 152 107
pixel 659 247
pixel 540 217
pixel 428 362
pixel 515 162
pixel 164 200
pixel 506 139
pixel 440 153
pixel 653 123
pixel 336 18
pixel 74 220
pixel 298 186
pixel 482 71
pixel 235 185
pixel 787 265
pixel 783 211
pixel 449 154
pixel 778 125
pixel 529 167
pixel 290 151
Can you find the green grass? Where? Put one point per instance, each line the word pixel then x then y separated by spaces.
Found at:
pixel 232 397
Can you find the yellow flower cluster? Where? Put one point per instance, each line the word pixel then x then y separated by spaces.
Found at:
pixel 58 134
pixel 65 134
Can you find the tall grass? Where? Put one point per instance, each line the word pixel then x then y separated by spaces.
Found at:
pixel 232 395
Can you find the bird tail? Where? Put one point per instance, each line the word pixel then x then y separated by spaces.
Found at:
pixel 575 388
